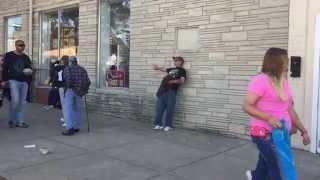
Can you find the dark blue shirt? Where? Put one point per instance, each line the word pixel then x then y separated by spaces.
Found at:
pixel 14 65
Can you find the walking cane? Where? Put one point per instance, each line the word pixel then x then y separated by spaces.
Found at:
pixel 87 115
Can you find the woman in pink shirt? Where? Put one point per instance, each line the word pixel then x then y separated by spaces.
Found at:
pixel 268 100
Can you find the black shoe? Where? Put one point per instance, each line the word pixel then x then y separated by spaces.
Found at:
pixel 68 132
pixel 75 130
pixel 22 125
pixel 11 124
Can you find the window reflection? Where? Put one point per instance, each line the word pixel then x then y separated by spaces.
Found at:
pixel 115 43
pixel 14 25
pixel 59 37
pixel 49 45
pixel 69 32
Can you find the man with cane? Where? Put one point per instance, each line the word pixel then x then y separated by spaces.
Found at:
pixel 77 85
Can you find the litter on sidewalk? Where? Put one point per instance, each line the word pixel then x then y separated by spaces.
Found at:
pixel 45 151
pixel 30 146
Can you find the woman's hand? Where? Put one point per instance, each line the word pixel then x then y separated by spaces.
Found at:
pixel 305 138
pixel 274 122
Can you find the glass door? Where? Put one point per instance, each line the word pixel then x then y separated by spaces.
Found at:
pixel 49 44
pixel 59 37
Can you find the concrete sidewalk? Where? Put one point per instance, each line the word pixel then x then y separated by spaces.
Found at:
pixel 118 149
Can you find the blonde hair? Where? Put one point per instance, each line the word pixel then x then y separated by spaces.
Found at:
pixel 274 63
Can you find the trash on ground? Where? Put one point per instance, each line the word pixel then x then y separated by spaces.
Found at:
pixel 30 146
pixel 44 151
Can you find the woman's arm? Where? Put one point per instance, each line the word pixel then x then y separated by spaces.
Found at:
pixel 249 106
pixel 298 124
pixel 296 121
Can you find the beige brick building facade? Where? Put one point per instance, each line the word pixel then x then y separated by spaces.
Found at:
pixel 228 41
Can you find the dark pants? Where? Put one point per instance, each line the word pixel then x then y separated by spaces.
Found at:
pixel 267 166
pixel 166 102
pixel 53 97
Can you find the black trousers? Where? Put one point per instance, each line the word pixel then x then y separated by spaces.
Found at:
pixel 54 98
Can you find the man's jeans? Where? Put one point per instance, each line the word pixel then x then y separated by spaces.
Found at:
pixel 18 91
pixel 267 166
pixel 71 109
pixel 166 102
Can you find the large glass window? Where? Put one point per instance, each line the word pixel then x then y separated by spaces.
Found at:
pixel 69 32
pixel 13 32
pixel 59 36
pixel 114 43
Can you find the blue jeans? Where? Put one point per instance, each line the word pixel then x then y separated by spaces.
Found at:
pixel 72 109
pixel 267 166
pixel 18 91
pixel 166 102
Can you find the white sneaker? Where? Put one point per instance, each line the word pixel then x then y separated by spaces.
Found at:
pixel 48 107
pixel 167 128
pixel 249 175
pixel 64 125
pixel 61 119
pixel 157 127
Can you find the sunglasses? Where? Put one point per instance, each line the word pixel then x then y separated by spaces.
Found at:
pixel 177 59
pixel 21 45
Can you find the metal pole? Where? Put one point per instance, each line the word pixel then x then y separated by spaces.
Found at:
pixel 87 114
pixel 30 27
pixel 30 50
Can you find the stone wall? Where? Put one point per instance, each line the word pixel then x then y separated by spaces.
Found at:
pixel 88 17
pixel 88 24
pixel 88 14
pixel 233 36
pixel 10 8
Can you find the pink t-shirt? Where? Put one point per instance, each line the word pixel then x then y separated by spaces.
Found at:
pixel 269 102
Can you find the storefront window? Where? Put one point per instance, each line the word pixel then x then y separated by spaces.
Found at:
pixel 69 32
pixel 114 43
pixel 13 32
pixel 59 36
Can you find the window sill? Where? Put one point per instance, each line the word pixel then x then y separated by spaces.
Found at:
pixel 42 86
pixel 113 90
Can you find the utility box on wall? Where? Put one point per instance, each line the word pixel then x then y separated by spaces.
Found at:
pixel 295 66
